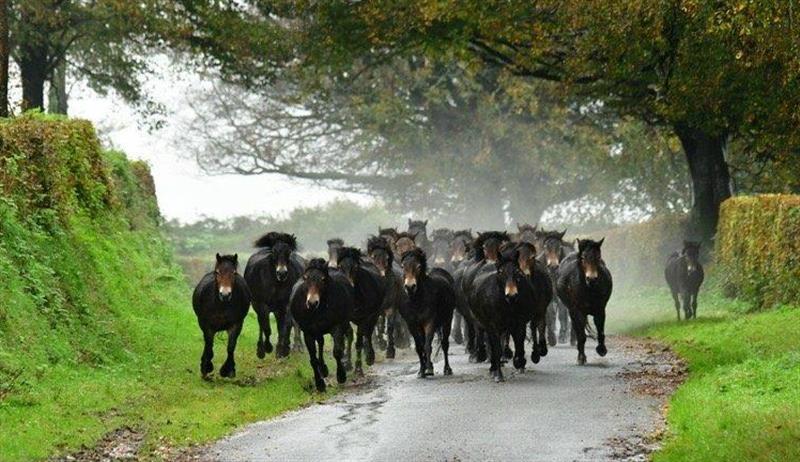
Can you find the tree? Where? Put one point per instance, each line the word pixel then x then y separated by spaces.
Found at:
pixel 4 55
pixel 709 71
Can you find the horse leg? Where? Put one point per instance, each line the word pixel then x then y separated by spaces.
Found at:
pixel 444 340
pixel 263 347
pixel 348 355
pixel 599 324
pixel 579 326
pixel 419 346
pixel 518 334
pixel 390 323
pixel 323 368
pixel 297 344
pixel 495 351
pixel 284 323
pixel 677 300
pixel 359 346
pixel 370 351
pixel 380 328
pixel 694 303
pixel 687 304
pixel 319 382
pixel 542 327
pixel 471 347
pixel 563 321
pixel 229 368
pixel 429 332
pixel 550 318
pixel 206 366
pixel 480 345
pixel 458 334
pixel 338 353
pixel 505 340
pixel 535 339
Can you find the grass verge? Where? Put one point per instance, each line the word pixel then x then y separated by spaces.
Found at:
pixel 742 398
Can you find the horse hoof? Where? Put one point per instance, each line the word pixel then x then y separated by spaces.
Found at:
pixel 499 378
pixel 341 376
pixel 448 371
pixel 324 370
pixel 535 358
pixel 321 386
pixel 521 370
pixel 370 358
pixel 261 351
pixel 390 353
pixel 601 350
pixel 543 350
pixel 581 360
pixel 421 375
pixel 228 371
pixel 519 363
pixel 429 371
pixel 206 368
pixel 481 357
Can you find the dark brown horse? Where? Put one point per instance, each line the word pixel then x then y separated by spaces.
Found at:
pixel 526 233
pixel 370 289
pixel 460 248
pixel 543 294
pixel 334 244
pixel 220 301
pixel 322 303
pixel 380 254
pixel 685 275
pixel 553 250
pixel 271 273
pixel 431 300
pixel 584 285
pixel 419 228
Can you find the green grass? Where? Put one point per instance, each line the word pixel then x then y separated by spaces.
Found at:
pixel 97 332
pixel 742 398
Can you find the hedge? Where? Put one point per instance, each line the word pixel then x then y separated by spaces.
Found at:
pixel 758 248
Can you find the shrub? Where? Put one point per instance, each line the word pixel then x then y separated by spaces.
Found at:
pixel 758 248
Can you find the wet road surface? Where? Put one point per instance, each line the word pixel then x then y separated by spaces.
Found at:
pixel 555 411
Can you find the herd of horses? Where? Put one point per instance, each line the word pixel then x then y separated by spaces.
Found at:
pixel 487 290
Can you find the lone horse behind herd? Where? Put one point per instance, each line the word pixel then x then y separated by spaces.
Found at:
pixel 488 290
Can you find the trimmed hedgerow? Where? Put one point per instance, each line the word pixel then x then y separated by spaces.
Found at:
pixel 758 249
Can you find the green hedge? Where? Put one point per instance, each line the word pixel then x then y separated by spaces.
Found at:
pixel 758 249
pixel 636 254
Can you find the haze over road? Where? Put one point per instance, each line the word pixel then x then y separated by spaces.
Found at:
pixel 555 411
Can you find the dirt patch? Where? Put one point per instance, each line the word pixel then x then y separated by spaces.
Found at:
pixel 653 370
pixel 120 444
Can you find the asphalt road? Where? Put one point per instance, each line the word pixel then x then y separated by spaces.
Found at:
pixel 555 411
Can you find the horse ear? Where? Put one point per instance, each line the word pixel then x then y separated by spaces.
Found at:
pixel 579 244
pixel 562 234
pixel 600 242
pixel 236 258
pixel 425 223
pixel 218 258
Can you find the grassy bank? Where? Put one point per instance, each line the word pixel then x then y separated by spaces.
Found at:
pixel 742 398
pixel 96 327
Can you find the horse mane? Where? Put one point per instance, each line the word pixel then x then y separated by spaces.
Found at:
pixel 526 227
pixel 317 264
pixel 232 259
pixel 467 233
pixel 442 233
pixel 377 242
pixel 388 231
pixel 273 237
pixel 335 241
pixel 501 236
pixel 406 234
pixel 419 254
pixel 348 252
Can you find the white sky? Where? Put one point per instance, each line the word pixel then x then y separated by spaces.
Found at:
pixel 184 191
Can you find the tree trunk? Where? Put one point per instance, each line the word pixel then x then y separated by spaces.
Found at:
pixel 33 70
pixel 711 181
pixel 4 52
pixel 57 97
